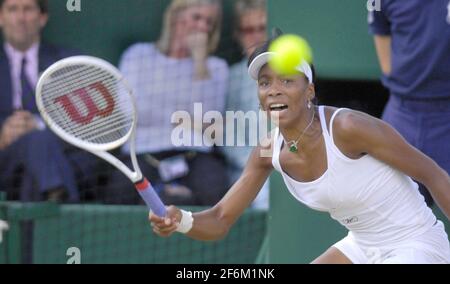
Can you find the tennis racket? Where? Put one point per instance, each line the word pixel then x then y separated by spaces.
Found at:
pixel 87 103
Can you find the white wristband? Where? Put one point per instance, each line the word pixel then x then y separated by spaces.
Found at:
pixel 186 222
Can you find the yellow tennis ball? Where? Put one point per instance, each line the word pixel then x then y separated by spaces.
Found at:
pixel 289 51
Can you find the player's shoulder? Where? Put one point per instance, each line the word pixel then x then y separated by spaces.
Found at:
pixel 264 151
pixel 268 140
pixel 348 122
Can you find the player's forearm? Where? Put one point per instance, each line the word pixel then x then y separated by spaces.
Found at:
pixel 209 225
pixel 214 223
pixel 439 187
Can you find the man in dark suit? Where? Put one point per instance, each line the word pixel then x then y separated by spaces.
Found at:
pixel 27 147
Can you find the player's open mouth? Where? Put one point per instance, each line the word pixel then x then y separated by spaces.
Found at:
pixel 278 107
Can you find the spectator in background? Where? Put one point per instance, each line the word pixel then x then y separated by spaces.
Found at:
pixel 26 146
pixel 250 31
pixel 412 38
pixel 170 76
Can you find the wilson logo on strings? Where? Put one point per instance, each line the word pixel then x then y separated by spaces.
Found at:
pixel 90 105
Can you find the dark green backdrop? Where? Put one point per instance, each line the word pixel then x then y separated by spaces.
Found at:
pixel 104 28
pixel 337 32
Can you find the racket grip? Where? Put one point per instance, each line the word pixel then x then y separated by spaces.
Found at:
pixel 151 198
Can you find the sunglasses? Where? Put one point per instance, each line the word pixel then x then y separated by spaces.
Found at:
pixel 252 29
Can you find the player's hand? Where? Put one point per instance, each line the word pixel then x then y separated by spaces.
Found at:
pixel 165 227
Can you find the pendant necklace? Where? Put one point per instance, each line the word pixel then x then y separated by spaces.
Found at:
pixel 293 145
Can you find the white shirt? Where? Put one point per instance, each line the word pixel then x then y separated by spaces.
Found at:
pixel 378 204
pixel 15 58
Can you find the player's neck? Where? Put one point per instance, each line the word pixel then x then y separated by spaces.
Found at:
pixel 304 132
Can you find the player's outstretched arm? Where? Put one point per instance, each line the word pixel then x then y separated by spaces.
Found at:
pixel 214 223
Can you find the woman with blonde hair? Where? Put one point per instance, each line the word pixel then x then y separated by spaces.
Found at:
pixel 168 77
pixel 190 28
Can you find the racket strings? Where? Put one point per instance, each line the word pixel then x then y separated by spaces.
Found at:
pixel 113 124
pixel 88 103
pixel 64 85
pixel 95 124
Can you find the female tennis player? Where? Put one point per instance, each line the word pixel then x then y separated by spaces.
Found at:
pixel 347 163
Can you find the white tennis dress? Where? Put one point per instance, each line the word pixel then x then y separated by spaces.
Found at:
pixel 388 219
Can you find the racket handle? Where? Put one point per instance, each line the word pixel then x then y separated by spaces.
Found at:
pixel 151 198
